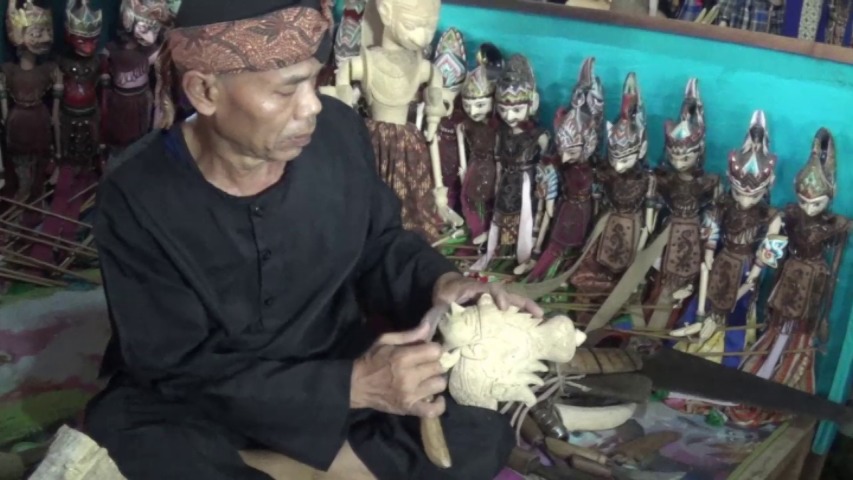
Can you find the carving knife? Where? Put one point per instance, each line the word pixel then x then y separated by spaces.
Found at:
pixel 432 433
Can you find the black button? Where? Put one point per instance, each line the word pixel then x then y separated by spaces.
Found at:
pixel 257 211
pixel 266 254
pixel 268 301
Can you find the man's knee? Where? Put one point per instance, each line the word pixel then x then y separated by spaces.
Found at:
pixel 346 466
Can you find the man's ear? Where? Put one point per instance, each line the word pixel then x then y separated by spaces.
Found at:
pixel 202 91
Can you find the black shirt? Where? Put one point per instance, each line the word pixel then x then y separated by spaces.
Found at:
pixel 252 308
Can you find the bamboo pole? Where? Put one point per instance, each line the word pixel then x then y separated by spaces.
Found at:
pixel 754 353
pixel 13 213
pixel 23 277
pixel 32 262
pixel 74 247
pixel 44 212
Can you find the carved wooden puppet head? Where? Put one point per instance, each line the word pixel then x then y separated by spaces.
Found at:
pixel 83 27
pixel 627 139
pixel 752 169
pixel 145 19
pixel 816 182
pixel 410 24
pixel 588 94
pixel 348 35
pixel 30 27
pixel 685 139
pixel 451 61
pixel 494 355
pixel 478 94
pixel 515 94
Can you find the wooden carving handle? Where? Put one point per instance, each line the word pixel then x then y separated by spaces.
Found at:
pixel 435 445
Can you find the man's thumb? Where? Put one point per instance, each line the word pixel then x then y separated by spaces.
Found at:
pixel 418 334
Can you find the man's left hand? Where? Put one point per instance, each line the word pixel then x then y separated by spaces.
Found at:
pixel 454 287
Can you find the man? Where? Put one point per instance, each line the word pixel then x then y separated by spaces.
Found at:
pixel 239 251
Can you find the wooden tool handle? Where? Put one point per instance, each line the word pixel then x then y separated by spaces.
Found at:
pixel 435 445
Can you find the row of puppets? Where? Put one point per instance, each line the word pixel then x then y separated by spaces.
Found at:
pixel 68 106
pixel 577 214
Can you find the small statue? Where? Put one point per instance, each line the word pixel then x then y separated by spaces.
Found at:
pixel 391 76
pixel 80 148
pixel 520 145
pixel 128 92
pixel 451 61
pixel 477 136
pixel 620 233
pixel 745 224
pixel 801 298
pixel 494 356
pixel 685 191
pixel 31 128
pixel 577 142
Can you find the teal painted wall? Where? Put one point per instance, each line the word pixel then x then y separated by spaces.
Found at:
pixel 799 94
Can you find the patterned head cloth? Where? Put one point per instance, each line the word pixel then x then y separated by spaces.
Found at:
pixel 228 36
pixel 451 59
pixel 687 137
pixel 348 35
pixel 627 137
pixel 478 84
pixel 29 15
pixel 82 20
pixel 753 167
pixel 817 178
pixel 517 84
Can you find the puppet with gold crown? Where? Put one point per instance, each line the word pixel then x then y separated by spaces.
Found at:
pixel 30 124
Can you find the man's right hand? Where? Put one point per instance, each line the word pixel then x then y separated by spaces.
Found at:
pixel 400 374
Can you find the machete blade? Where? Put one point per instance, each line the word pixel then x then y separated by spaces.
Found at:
pixel 677 371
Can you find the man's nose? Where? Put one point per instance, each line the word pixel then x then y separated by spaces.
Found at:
pixel 309 104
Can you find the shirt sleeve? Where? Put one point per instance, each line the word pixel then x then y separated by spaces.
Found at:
pixel 398 268
pixel 169 340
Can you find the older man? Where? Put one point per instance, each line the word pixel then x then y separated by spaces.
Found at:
pixel 240 251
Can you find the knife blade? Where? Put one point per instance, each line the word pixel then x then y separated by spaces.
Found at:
pixel 432 433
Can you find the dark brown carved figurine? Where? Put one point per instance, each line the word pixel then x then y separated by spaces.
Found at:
pixel 30 125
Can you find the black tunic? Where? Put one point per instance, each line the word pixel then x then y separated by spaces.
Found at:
pixel 244 314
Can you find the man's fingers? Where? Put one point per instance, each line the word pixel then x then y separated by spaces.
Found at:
pixel 504 300
pixel 432 387
pixel 431 409
pixel 415 355
pixel 417 334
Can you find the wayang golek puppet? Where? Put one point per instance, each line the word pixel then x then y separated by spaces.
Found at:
pixel 800 302
pixel 577 139
pixel 682 191
pixel 520 144
pixel 79 143
pixel 620 232
pixel 742 240
pixel 391 76
pixel 32 130
pixel 129 93
pixel 451 62
pixel 477 135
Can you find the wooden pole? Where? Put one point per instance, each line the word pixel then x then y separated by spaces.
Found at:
pixel 45 212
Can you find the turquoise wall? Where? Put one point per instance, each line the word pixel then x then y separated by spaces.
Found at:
pixel 799 94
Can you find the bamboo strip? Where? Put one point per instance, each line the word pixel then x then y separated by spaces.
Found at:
pixel 23 277
pixel 74 247
pixel 29 261
pixel 44 212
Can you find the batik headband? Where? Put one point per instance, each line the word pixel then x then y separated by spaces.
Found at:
pixel 266 42
pixel 269 42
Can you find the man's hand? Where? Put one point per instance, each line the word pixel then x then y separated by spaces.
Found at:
pixel 400 375
pixel 453 287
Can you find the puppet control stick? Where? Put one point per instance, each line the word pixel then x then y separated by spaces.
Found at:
pixel 432 433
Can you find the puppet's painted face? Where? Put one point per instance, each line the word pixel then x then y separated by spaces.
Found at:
pixel 85 47
pixel 683 161
pixel 478 109
pixel 146 33
pixel 748 199
pixel 38 38
pixel 513 114
pixel 813 206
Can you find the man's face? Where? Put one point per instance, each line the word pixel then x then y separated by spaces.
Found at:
pixel 269 115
